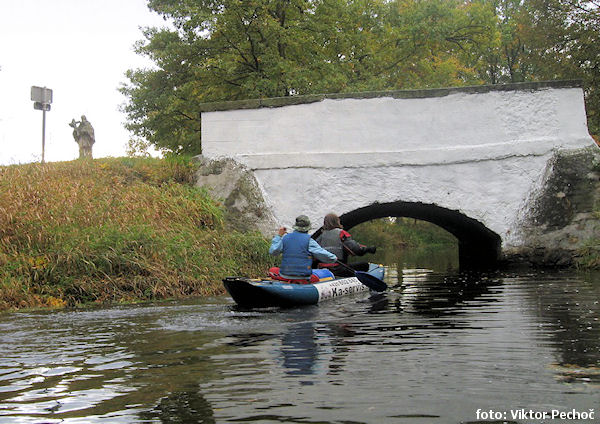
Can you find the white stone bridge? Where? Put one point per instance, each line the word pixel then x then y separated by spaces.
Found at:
pixel 472 160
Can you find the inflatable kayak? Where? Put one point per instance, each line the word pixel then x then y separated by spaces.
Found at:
pixel 260 293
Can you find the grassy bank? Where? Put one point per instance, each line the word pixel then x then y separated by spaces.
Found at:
pixel 114 230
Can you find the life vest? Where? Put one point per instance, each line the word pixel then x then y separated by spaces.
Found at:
pixel 297 260
pixel 331 240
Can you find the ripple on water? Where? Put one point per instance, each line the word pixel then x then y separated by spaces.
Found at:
pixel 434 348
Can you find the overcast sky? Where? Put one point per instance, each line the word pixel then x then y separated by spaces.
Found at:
pixel 78 48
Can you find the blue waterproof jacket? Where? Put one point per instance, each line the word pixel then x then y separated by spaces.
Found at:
pixel 298 250
pixel 297 259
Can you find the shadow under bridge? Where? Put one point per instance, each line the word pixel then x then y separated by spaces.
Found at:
pixel 478 246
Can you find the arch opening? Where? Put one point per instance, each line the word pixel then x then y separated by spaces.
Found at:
pixel 478 246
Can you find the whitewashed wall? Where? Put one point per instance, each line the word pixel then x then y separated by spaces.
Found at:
pixel 482 154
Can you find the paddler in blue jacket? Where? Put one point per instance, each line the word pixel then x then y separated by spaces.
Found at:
pixel 298 250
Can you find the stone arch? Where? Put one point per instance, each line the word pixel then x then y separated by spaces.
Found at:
pixel 478 246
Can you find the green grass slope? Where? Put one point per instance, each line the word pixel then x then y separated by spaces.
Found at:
pixel 115 230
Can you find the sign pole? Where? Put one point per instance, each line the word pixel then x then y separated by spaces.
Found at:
pixel 43 134
pixel 42 97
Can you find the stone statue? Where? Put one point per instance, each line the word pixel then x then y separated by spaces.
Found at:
pixel 83 133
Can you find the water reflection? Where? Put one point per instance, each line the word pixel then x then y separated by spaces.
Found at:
pixel 570 308
pixel 181 407
pixel 299 349
pixel 433 294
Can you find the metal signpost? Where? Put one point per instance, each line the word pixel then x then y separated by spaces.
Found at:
pixel 42 97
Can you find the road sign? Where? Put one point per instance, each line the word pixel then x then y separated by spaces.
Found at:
pixel 41 106
pixel 41 94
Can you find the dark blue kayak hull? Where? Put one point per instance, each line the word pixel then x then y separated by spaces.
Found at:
pixel 257 293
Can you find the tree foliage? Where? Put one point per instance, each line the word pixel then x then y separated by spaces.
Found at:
pixel 238 49
pixel 564 42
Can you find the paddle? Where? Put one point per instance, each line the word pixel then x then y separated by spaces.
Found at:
pixel 367 279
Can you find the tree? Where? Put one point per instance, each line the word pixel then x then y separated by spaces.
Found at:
pixel 223 50
pixel 240 49
pixel 502 56
pixel 431 40
pixel 564 39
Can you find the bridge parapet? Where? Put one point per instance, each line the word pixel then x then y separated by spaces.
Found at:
pixel 413 127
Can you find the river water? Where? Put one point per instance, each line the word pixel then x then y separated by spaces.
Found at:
pixel 438 347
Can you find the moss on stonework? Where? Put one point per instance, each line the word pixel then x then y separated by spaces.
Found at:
pixel 562 224
pixel 215 167
pixel 236 187
pixel 244 201
pixel 569 190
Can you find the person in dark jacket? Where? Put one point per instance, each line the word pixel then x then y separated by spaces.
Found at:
pixel 339 242
pixel 298 250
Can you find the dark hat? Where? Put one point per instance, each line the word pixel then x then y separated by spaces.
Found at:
pixel 302 224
